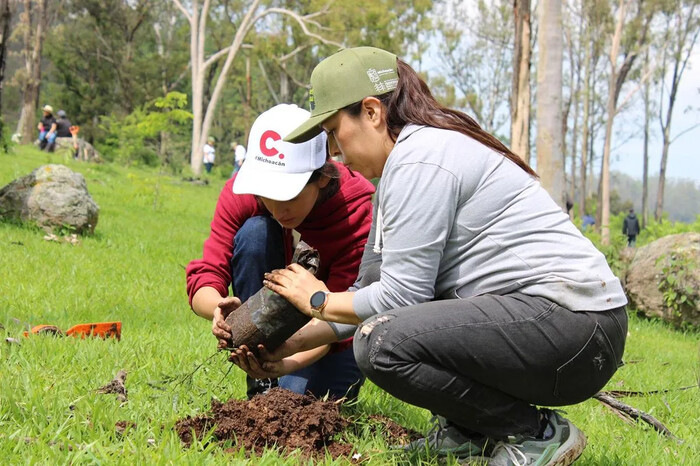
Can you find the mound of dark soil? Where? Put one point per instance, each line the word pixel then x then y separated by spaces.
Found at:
pixel 287 421
pixel 280 418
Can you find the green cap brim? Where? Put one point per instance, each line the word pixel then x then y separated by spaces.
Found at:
pixel 310 128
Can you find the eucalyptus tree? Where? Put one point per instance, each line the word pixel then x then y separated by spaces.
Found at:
pixel 34 20
pixel 520 91
pixel 550 158
pixel 475 51
pixel 5 21
pixel 630 35
pixel 250 14
pixel 682 26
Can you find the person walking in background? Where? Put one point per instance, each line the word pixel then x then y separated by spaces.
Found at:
pixel 238 155
pixel 471 303
pixel 284 187
pixel 209 154
pixel 47 129
pixel 630 227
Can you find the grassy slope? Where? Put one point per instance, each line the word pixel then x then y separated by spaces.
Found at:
pixel 132 270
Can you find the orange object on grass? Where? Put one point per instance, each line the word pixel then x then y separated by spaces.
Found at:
pixel 99 329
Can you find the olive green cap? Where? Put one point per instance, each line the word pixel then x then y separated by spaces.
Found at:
pixel 343 79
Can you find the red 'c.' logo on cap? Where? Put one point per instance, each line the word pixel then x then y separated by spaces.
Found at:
pixel 265 149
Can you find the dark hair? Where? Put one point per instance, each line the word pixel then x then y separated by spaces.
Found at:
pixel 412 102
pixel 331 171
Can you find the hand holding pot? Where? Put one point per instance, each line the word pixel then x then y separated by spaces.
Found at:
pixel 296 285
pixel 219 327
pixel 264 369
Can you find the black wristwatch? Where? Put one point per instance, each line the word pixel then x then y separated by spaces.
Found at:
pixel 318 303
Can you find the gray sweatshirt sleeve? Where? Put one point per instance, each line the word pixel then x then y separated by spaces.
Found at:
pixel 418 204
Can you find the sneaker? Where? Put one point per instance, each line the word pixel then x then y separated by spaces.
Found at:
pixel 445 439
pixel 561 448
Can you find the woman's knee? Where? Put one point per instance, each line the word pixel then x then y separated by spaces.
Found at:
pixel 255 235
pixel 370 346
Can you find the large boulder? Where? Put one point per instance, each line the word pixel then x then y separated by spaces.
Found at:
pixel 51 196
pixel 680 255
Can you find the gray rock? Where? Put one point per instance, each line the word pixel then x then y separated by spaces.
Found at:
pixel 644 275
pixel 51 196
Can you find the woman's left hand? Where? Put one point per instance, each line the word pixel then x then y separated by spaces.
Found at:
pixel 296 285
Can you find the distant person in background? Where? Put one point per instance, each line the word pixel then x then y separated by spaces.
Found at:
pixel 47 129
pixel 62 125
pixel 588 221
pixel 630 227
pixel 63 130
pixel 238 155
pixel 209 154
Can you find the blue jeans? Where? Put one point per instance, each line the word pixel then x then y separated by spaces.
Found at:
pixel 259 248
pixel 43 141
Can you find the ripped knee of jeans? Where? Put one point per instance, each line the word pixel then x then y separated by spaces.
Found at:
pixel 366 329
pixel 369 340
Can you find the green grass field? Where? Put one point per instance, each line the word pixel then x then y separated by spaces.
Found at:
pixel 150 226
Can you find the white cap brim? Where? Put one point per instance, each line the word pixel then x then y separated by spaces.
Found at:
pixel 269 184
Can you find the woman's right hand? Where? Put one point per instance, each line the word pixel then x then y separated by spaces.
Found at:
pixel 219 327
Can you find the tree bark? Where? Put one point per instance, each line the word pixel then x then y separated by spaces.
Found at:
pixel 35 20
pixel 645 171
pixel 685 33
pixel 550 160
pixel 618 77
pixel 520 97
pixel 5 19
pixel 588 76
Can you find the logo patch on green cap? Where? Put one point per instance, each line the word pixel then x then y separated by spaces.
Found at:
pixel 380 81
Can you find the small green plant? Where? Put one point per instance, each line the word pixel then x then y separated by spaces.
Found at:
pixel 678 294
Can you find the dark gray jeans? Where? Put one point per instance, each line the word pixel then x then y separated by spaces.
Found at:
pixel 483 362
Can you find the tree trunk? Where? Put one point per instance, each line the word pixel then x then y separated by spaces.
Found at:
pixel 604 198
pixel 617 79
pixel 5 19
pixel 685 34
pixel 550 160
pixel 588 75
pixel 520 97
pixel 33 44
pixel 645 173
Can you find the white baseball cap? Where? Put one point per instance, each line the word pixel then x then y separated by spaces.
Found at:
pixel 276 169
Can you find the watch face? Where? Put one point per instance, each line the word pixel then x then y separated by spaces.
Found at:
pixel 317 299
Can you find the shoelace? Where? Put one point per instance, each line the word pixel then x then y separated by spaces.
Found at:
pixel 513 452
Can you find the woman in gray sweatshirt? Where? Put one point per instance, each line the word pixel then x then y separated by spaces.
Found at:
pixel 477 298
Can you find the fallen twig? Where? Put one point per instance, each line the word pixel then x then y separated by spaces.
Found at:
pixel 624 393
pixel 634 413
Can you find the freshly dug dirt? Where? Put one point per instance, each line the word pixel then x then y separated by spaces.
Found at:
pixel 282 419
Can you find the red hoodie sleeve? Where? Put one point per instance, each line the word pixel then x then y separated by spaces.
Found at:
pixel 213 269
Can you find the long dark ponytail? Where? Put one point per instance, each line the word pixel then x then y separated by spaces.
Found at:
pixel 413 103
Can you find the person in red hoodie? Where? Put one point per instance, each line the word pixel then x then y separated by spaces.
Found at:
pixel 284 187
